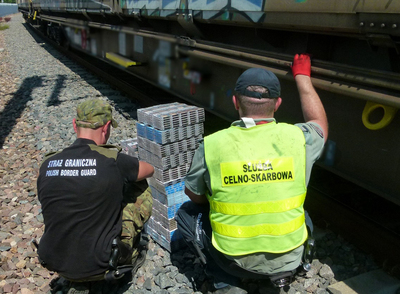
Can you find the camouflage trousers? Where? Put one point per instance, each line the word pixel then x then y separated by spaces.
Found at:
pixel 134 215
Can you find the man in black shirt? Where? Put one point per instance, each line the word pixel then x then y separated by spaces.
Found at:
pixel 91 196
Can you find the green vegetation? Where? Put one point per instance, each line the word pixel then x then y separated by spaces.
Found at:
pixel 9 1
pixel 3 27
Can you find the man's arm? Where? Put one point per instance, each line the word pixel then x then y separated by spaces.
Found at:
pixel 146 170
pixel 313 110
pixel 195 177
pixel 199 199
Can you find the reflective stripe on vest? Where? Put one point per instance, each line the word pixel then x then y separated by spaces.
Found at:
pixel 258 207
pixel 258 188
pixel 257 230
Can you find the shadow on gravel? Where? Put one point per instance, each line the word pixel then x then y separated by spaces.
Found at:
pixel 59 84
pixel 14 108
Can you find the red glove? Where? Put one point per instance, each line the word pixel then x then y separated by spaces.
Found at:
pixel 301 65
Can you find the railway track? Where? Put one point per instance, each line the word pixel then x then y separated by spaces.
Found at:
pixel 364 219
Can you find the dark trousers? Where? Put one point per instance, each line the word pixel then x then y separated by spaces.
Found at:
pixel 194 224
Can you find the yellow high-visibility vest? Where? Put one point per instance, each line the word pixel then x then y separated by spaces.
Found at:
pixel 258 188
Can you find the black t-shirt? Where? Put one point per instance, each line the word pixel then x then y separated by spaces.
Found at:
pixel 81 191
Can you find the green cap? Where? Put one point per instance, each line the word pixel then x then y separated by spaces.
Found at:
pixel 93 114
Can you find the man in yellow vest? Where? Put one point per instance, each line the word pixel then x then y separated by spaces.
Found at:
pixel 248 183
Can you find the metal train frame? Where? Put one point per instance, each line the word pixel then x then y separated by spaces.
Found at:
pixel 196 49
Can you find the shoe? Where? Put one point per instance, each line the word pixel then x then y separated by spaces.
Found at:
pixel 227 284
pixel 57 285
pixel 229 289
pixel 220 285
pixel 221 279
pixel 78 288
pixel 139 261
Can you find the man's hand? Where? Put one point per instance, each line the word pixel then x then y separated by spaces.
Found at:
pixel 301 65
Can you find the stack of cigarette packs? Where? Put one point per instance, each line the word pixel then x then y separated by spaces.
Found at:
pixel 167 137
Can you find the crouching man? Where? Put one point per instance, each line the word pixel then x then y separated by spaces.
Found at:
pixel 248 183
pixel 95 202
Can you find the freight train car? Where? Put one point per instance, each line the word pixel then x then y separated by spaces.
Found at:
pixel 196 49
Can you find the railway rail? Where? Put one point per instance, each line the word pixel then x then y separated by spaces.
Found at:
pixel 360 216
pixel 365 219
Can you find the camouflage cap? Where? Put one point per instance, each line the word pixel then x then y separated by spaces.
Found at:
pixel 93 114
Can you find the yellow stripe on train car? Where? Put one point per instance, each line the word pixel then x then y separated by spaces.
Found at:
pixel 123 61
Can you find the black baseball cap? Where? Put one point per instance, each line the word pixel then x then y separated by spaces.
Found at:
pixel 258 77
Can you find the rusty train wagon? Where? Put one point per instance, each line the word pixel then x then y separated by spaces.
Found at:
pixel 196 49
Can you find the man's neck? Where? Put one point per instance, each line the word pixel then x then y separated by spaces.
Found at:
pixel 96 139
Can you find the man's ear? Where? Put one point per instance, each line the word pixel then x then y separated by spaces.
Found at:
pixel 74 125
pixel 277 103
pixel 106 127
pixel 235 102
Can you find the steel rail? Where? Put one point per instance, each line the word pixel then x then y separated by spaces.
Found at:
pixel 365 233
pixel 337 87
pixel 341 72
pixel 132 31
pixel 79 24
